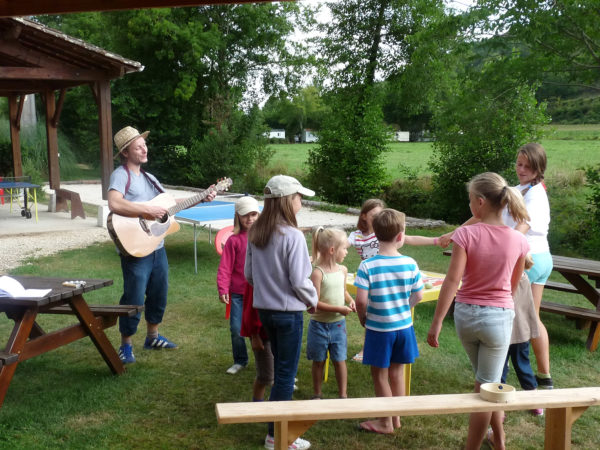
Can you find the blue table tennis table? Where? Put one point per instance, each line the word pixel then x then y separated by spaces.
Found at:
pixel 203 213
pixel 14 186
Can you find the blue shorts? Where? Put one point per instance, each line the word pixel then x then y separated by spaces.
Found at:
pixel 385 347
pixel 542 267
pixel 323 336
pixel 484 332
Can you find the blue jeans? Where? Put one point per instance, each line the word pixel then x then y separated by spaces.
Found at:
pixel 519 355
pixel 484 332
pixel 145 282
pixel 238 343
pixel 284 329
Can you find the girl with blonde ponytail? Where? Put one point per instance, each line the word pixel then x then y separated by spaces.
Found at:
pixel 488 257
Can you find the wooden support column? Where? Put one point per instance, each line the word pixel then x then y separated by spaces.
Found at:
pixel 15 137
pixel 52 142
pixel 102 92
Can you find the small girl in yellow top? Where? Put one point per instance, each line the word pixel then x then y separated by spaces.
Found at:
pixel 327 326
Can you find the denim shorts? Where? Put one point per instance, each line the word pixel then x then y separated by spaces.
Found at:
pixel 385 347
pixel 323 336
pixel 484 332
pixel 542 267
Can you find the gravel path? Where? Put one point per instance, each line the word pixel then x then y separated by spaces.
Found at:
pixel 16 250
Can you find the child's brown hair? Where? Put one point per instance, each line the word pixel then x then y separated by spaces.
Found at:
pixel 367 206
pixel 536 155
pixel 388 224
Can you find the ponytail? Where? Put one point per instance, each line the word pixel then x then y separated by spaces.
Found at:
pixel 315 244
pixel 494 189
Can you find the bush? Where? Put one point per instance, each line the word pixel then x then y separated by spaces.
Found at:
pixel 346 166
pixel 411 195
pixel 479 131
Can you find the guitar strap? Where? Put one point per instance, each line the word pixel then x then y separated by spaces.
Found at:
pixel 150 180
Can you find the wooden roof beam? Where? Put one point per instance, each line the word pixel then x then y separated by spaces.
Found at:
pixel 43 73
pixel 36 7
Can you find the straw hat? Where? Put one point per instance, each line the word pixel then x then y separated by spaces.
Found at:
pixel 126 136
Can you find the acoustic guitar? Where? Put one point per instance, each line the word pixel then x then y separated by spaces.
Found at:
pixel 139 236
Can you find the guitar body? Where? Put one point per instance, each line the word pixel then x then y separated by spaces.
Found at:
pixel 136 236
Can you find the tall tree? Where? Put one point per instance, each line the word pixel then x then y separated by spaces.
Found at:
pixel 365 41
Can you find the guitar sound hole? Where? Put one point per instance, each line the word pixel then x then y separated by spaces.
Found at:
pixel 163 219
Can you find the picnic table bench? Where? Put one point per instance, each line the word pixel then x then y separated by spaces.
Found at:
pixel 293 418
pixel 28 339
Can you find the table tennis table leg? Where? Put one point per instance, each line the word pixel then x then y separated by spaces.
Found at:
pixel 195 252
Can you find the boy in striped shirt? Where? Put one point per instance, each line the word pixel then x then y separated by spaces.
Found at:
pixel 388 286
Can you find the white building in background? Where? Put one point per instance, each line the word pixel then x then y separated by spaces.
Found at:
pixel 309 136
pixel 276 133
pixel 401 136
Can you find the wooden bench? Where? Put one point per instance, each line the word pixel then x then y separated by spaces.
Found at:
pixel 107 314
pixel 62 195
pixel 293 418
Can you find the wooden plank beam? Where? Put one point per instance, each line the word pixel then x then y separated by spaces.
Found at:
pixel 44 73
pixel 15 137
pixel 52 141
pixel 102 90
pixel 36 7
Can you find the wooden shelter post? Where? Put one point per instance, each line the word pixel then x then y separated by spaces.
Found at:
pixel 15 137
pixel 52 141
pixel 102 91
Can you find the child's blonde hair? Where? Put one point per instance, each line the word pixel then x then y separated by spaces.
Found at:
pixel 388 224
pixel 536 155
pixel 325 238
pixel 367 206
pixel 528 262
pixel 276 211
pixel 493 188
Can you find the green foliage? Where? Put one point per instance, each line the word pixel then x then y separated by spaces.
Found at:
pixel 479 129
pixel 411 194
pixel 347 166
pixel 592 230
pixel 237 150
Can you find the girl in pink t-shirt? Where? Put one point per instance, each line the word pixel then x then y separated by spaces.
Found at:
pixel 489 258
pixel 231 282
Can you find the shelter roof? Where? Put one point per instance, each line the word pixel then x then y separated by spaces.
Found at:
pixel 36 58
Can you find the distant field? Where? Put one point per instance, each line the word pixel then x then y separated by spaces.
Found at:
pixel 573 132
pixel 563 155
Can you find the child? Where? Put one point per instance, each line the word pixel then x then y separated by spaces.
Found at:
pixel 530 168
pixel 366 243
pixel 327 326
pixel 489 258
pixel 524 328
pixel 230 276
pixel 261 347
pixel 388 286
pixel 278 266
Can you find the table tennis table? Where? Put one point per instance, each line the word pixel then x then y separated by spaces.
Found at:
pixel 14 186
pixel 203 214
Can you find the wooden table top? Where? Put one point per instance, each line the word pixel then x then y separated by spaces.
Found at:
pixel 58 293
pixel 576 265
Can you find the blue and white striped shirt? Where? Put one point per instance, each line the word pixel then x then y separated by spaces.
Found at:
pixel 390 281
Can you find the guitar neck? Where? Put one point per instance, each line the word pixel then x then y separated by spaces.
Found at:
pixel 189 202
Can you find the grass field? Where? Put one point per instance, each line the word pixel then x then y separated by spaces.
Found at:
pixel 563 156
pixel 68 399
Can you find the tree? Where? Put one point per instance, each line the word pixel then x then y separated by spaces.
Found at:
pixel 199 62
pixel 554 38
pixel 365 41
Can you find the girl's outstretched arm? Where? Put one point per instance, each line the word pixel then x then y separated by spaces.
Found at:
pixel 447 293
pixel 420 240
pixel 444 239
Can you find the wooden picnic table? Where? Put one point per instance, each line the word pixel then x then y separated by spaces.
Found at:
pixel 28 339
pixel 574 270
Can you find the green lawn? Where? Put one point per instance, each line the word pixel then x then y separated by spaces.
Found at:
pixel 563 156
pixel 68 398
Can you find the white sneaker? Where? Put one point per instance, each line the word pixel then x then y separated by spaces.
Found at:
pixel 234 369
pixel 298 444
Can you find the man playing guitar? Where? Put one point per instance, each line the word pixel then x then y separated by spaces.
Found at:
pixel 145 279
